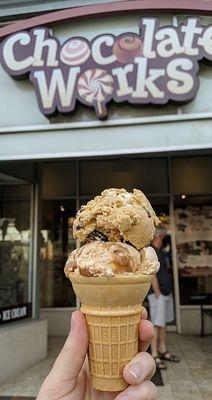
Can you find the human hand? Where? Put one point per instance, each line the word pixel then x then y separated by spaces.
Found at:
pixel 69 378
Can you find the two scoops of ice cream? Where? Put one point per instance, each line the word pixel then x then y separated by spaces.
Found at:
pixel 118 227
pixel 111 274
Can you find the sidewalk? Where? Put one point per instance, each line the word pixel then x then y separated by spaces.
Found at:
pixel 191 379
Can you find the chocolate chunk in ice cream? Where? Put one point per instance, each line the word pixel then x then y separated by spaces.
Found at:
pixel 96 235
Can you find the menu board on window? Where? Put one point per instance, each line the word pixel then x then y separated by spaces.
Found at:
pixel 193 226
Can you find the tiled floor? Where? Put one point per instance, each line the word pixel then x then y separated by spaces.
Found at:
pixel 191 379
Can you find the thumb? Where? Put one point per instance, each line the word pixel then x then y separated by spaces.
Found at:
pixel 71 358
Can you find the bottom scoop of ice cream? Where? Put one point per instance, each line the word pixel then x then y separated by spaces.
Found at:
pixel 149 261
pixel 110 258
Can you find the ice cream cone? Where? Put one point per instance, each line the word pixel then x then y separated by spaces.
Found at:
pixel 112 306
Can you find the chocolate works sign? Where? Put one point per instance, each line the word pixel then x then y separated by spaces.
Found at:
pixel 158 65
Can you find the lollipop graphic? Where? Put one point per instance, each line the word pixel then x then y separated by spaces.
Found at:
pixel 75 52
pixel 95 87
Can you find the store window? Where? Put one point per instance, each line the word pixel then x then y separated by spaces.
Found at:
pixel 96 175
pixel 193 227
pixel 192 175
pixel 58 211
pixel 58 180
pixel 64 190
pixel 56 243
pixel 15 253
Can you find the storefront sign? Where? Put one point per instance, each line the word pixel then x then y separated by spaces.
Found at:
pixel 14 313
pixel 158 65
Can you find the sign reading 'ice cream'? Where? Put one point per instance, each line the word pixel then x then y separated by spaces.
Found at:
pixel 158 65
pixel 14 313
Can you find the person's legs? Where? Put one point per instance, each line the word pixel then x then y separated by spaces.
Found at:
pixel 157 314
pixel 154 343
pixel 154 349
pixel 162 349
pixel 162 339
pixel 153 314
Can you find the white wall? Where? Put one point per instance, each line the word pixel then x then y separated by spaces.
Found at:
pixel 58 320
pixel 191 321
pixel 22 345
pixel 107 140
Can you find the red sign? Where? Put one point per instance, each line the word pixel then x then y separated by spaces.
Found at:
pixel 155 66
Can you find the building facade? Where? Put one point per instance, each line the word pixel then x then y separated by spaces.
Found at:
pixel 114 94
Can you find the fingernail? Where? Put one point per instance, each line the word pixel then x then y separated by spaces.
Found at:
pixel 72 322
pixel 135 371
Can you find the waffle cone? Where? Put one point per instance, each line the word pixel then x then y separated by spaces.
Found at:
pixel 112 307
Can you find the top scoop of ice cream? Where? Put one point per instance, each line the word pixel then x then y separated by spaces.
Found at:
pixel 109 259
pixel 118 216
